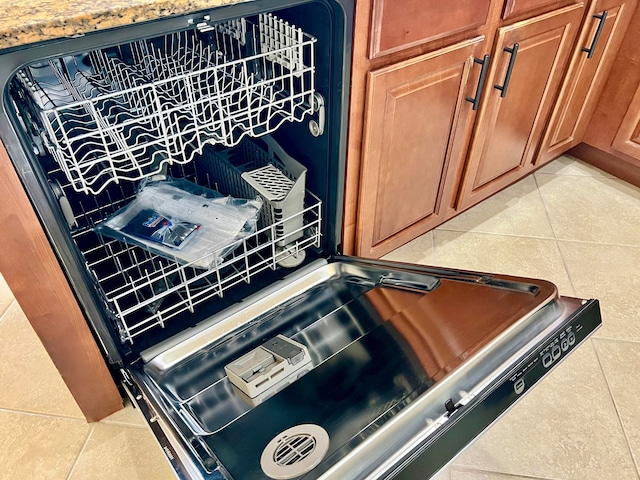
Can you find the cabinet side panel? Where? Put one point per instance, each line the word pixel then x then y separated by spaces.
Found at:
pixel 39 285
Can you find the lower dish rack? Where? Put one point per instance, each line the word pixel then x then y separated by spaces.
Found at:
pixel 141 290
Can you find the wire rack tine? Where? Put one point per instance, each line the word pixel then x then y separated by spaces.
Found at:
pixel 220 99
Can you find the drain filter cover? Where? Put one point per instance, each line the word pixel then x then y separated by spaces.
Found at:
pixel 295 451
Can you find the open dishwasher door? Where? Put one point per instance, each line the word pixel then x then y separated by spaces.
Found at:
pixel 352 368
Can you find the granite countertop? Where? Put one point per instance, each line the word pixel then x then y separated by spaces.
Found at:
pixel 29 21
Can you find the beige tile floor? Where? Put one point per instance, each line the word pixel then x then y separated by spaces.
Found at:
pixel 569 223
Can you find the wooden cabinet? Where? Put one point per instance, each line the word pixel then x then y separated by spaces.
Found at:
pixel 33 273
pixel 517 8
pixel 611 141
pixel 417 124
pixel 528 65
pixel 402 24
pixel 418 155
pixel 627 139
pixel 601 36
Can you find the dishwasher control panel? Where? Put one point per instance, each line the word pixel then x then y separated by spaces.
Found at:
pixel 557 347
pixel 547 356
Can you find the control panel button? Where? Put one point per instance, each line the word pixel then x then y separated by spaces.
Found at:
pixel 571 338
pixel 556 352
pixel 518 386
pixel 547 360
pixel 564 344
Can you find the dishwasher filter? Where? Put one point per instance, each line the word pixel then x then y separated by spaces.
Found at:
pixel 295 451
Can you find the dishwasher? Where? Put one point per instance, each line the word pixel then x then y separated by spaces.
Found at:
pixel 253 348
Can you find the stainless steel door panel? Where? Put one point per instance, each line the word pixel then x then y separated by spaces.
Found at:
pixel 391 345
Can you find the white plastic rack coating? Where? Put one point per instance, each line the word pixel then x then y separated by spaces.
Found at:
pixel 143 291
pixel 159 104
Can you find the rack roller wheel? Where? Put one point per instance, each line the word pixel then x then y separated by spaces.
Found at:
pixel 291 257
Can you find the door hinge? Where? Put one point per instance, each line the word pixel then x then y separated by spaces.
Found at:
pixel 130 387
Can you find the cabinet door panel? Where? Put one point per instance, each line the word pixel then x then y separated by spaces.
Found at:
pixel 627 139
pixel 515 8
pixel 586 77
pixel 400 24
pixel 506 147
pixel 416 128
pixel 509 129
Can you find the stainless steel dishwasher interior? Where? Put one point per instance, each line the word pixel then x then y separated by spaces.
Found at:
pixel 381 339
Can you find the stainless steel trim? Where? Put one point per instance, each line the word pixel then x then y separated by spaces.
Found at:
pixel 167 434
pixel 180 346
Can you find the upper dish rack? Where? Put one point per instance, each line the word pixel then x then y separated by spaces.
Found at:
pixel 124 113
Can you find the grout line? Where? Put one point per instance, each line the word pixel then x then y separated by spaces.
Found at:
pixel 3 314
pixel 84 446
pixel 433 243
pixel 45 415
pixel 612 339
pixel 608 244
pixel 564 261
pixel 507 476
pixel 566 268
pixel 122 424
pixel 597 177
pixel 569 240
pixel 615 407
pixel 494 233
pixel 544 204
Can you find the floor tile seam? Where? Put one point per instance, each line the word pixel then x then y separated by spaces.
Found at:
pixel 573 175
pixel 551 223
pixel 597 177
pixel 606 244
pixel 566 268
pixel 613 180
pixel 546 209
pixel 84 447
pixel 471 469
pixel 615 406
pixel 534 237
pixel 619 340
pixel 44 415
pixel 6 310
pixel 121 424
